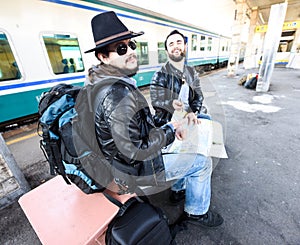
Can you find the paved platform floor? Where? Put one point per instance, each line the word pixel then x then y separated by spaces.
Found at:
pixel 257 189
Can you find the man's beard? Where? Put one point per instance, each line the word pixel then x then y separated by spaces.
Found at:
pixel 131 72
pixel 125 71
pixel 177 58
pixel 117 71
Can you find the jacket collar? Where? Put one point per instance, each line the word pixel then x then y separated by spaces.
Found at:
pixel 173 70
pixel 100 72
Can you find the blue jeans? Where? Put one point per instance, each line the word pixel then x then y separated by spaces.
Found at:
pixel 193 175
pixel 203 115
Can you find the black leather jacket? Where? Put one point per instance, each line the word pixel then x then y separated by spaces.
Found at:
pixel 165 87
pixel 126 132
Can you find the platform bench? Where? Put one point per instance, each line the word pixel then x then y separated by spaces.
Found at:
pixel 63 214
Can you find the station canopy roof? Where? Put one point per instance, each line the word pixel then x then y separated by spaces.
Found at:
pixel 264 7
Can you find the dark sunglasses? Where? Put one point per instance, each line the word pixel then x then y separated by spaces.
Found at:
pixel 121 49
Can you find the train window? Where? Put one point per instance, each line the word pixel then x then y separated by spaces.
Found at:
pixel 194 42
pixel 64 53
pixel 209 44
pixel 9 69
pixel 142 53
pixel 202 43
pixel 162 55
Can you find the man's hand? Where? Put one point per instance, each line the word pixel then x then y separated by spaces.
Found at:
pixel 177 105
pixel 181 133
pixel 192 119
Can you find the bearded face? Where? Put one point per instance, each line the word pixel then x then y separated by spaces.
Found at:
pixel 122 56
pixel 176 48
pixel 177 56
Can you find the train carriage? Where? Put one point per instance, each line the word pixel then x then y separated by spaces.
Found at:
pixel 42 43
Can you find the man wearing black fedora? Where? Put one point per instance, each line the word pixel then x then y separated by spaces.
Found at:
pixel 124 126
pixel 123 121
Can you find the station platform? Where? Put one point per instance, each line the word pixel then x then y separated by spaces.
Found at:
pixel 256 189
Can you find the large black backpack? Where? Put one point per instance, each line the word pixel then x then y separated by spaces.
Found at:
pixel 68 138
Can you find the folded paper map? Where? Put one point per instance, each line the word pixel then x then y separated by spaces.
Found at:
pixel 205 138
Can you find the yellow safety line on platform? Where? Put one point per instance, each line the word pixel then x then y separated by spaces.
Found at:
pixel 10 142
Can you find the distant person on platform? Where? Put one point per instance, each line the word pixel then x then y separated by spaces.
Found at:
pixel 66 66
pixel 72 67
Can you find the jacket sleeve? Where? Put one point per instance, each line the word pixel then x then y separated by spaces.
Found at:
pixel 134 136
pixel 160 98
pixel 197 95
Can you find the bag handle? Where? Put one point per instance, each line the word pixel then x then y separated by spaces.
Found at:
pixel 123 207
pixel 113 200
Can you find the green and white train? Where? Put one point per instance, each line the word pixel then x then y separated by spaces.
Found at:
pixel 41 39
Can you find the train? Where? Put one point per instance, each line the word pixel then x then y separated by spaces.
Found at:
pixel 42 43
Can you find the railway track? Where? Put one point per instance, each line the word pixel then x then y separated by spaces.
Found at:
pixel 18 123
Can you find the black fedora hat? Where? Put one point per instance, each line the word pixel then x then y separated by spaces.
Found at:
pixel 107 28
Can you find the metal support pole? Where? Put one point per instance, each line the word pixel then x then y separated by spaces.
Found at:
pixel 251 49
pixel 236 37
pixel 275 23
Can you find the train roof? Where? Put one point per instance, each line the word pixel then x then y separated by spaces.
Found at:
pixel 151 14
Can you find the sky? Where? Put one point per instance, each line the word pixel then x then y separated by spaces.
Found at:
pixel 214 15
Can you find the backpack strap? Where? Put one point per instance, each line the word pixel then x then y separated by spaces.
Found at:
pixel 58 160
pixel 52 150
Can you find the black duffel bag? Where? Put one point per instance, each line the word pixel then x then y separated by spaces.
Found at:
pixel 138 222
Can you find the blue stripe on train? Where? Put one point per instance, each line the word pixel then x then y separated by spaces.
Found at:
pixel 35 83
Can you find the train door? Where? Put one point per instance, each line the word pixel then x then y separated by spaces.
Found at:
pixel 143 53
pixel 162 54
